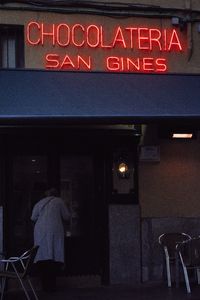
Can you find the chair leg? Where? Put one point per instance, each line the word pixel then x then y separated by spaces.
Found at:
pixel 3 283
pixel 22 284
pixel 186 280
pixel 177 270
pixel 33 290
pixel 198 276
pixel 25 290
pixel 169 283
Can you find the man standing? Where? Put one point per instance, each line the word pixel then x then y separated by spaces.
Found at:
pixel 49 215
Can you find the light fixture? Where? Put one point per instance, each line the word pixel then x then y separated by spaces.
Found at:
pixel 175 21
pixel 122 174
pixel 181 22
pixel 182 135
pixel 123 169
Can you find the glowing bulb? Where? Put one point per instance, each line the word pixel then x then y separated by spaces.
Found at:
pixel 123 168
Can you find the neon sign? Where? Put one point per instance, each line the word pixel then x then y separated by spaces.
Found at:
pixel 145 48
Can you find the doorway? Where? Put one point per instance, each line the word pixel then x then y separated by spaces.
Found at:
pixel 83 164
pixel 34 163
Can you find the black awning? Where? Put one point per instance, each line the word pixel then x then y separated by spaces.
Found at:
pixel 32 95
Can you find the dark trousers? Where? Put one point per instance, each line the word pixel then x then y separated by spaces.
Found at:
pixel 48 271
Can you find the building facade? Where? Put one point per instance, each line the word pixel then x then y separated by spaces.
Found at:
pixel 79 85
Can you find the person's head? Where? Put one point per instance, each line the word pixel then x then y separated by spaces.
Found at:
pixel 51 192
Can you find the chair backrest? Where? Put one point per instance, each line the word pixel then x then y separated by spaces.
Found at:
pixel 27 258
pixel 171 239
pixel 190 252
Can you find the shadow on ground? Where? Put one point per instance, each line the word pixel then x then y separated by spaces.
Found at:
pixel 143 292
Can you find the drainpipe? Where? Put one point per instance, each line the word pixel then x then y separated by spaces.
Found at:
pixel 188 6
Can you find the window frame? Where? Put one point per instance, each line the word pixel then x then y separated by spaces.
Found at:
pixel 16 31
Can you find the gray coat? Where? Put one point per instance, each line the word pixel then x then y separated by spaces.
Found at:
pixel 49 214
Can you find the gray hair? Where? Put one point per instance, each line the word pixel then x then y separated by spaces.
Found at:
pixel 51 192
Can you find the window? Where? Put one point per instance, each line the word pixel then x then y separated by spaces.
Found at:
pixel 11 46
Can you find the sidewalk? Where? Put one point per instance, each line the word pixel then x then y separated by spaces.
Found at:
pixel 143 292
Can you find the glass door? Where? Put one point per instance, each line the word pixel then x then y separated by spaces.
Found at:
pixel 76 177
pixel 27 185
pixel 77 186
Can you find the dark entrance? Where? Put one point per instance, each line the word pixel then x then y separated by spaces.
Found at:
pixel 70 162
pixel 83 165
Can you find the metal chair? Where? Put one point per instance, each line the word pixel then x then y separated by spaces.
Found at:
pixel 19 268
pixel 189 253
pixel 168 241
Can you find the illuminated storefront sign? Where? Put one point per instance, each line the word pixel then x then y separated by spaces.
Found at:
pixel 128 49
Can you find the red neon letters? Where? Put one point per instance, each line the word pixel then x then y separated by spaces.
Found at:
pixel 53 61
pixel 94 36
pixel 111 63
pixel 145 64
